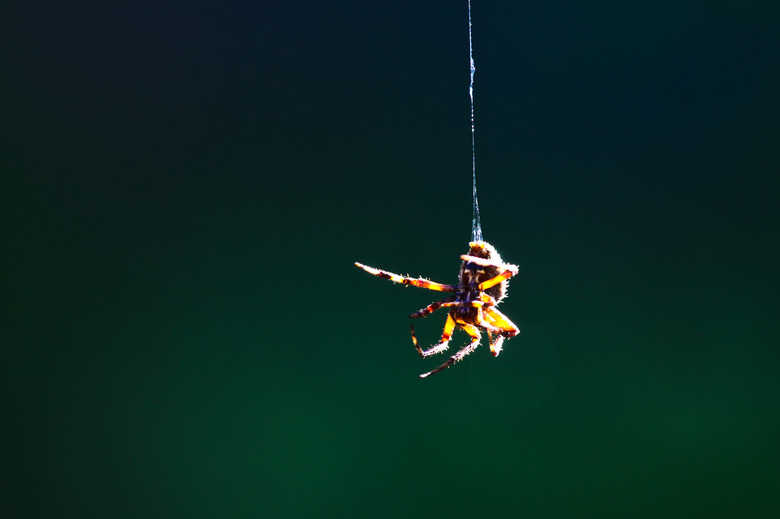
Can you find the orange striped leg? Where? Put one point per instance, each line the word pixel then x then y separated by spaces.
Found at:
pixel 487 299
pixel 450 301
pixel 510 271
pixel 507 328
pixel 480 320
pixel 480 261
pixel 417 282
pixel 475 337
pixel 442 345
pixel 485 262
pixel 499 320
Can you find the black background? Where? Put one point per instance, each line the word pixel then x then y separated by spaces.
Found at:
pixel 186 187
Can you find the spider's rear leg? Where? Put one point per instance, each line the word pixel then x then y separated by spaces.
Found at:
pixel 503 328
pixel 442 345
pixel 475 337
pixel 498 341
pixel 496 344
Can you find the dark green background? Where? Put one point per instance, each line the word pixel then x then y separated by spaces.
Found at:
pixel 187 185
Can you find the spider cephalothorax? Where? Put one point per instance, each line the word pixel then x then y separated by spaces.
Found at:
pixel 482 285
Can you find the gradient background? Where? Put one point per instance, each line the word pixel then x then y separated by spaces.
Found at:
pixel 187 185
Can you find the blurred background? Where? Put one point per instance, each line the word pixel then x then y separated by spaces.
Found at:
pixel 187 185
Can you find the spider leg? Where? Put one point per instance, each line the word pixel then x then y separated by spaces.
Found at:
pixel 496 341
pixel 440 346
pixel 495 345
pixel 404 280
pixel 507 270
pixel 481 261
pixel 506 328
pixel 435 306
pixel 475 337
pixel 452 301
pixel 487 299
pixel 482 321
pixel 499 320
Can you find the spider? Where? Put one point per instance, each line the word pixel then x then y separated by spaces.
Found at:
pixel 483 284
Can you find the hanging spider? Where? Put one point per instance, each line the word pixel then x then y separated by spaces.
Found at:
pixel 483 284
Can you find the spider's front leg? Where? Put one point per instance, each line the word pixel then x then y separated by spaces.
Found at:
pixel 439 347
pixel 404 280
pixel 475 337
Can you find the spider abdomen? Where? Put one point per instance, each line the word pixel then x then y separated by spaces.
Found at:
pixel 473 273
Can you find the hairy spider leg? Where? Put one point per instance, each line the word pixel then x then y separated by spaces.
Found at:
pixel 481 322
pixel 494 322
pixel 506 328
pixel 440 346
pixel 485 262
pixel 510 271
pixel 496 344
pixel 485 300
pixel 475 337
pixel 450 301
pixel 418 282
